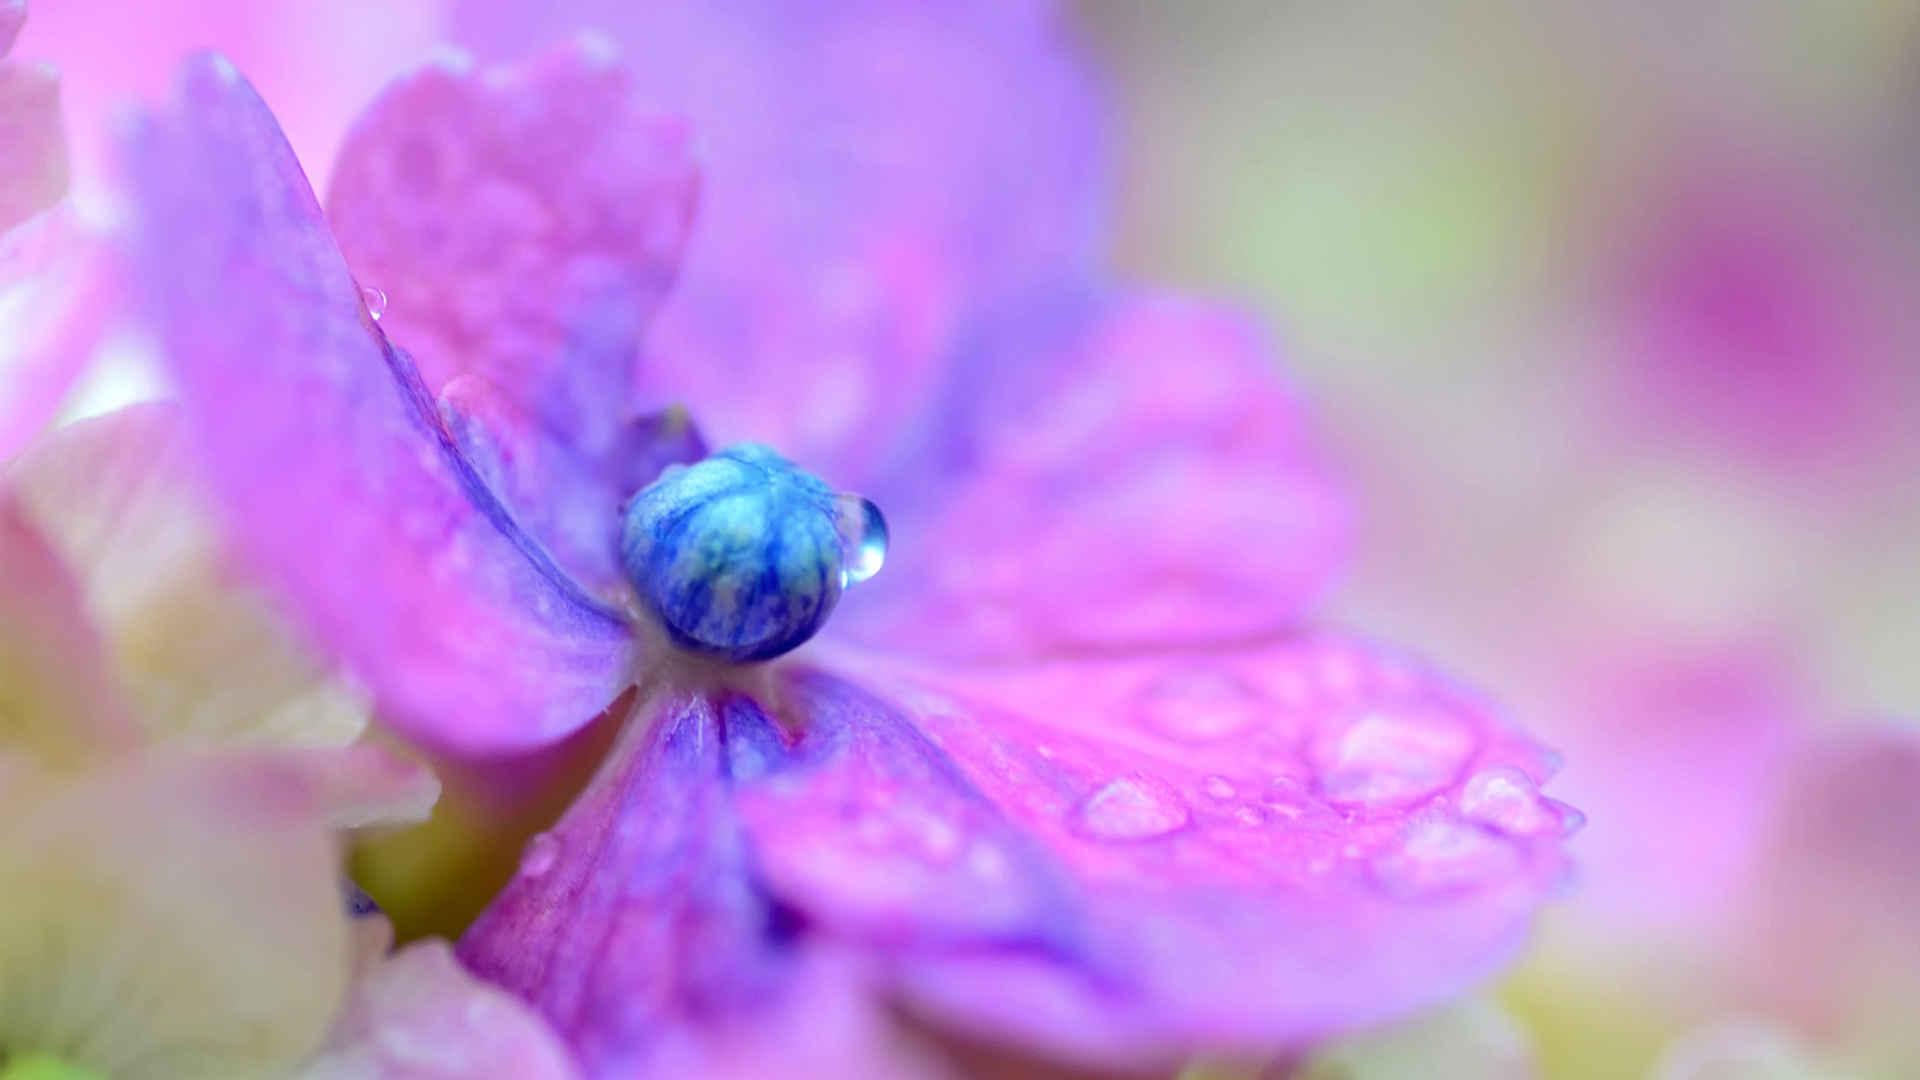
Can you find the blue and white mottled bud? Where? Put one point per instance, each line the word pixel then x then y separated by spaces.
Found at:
pixel 742 556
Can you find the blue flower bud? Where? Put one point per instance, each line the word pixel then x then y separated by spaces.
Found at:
pixel 743 556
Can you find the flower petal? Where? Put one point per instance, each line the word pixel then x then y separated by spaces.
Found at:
pixel 167 918
pixel 638 928
pixel 1470 1040
pixel 571 500
pixel 33 175
pixel 200 650
pixel 13 15
pixel 1113 862
pixel 418 1015
pixel 872 172
pixel 524 223
pixel 58 704
pixel 1827 940
pixel 56 291
pixel 340 481
pixel 1125 860
pixel 1116 474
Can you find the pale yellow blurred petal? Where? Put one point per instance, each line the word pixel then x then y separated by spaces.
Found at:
pixel 200 649
pixel 1470 1040
pixel 419 1015
pixel 57 704
pixel 169 918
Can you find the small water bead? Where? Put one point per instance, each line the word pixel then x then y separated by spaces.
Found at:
pixel 863 532
pixel 1131 808
pixel 1437 857
pixel 540 855
pixel 1506 799
pixel 376 301
pixel 1391 756
pixel 742 555
pixel 1217 787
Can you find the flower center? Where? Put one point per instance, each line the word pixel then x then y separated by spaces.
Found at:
pixel 743 556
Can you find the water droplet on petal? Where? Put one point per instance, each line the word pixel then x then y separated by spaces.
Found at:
pixel 1248 816
pixel 1571 819
pixel 1444 856
pixel 1131 808
pixel 864 529
pixel 1200 706
pixel 1506 799
pixel 1217 787
pixel 541 853
pixel 1391 757
pixel 375 299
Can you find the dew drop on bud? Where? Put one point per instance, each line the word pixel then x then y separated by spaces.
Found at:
pixel 865 533
pixel 376 301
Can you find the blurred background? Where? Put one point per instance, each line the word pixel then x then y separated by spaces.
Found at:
pixel 1608 309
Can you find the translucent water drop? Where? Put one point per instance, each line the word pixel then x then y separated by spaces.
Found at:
pixel 541 853
pixel 375 299
pixel 1198 705
pixel 1217 787
pixel 1443 856
pixel 1130 808
pixel 865 532
pixel 1506 799
pixel 1391 756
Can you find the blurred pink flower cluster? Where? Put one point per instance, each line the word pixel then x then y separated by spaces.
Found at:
pixel 1078 783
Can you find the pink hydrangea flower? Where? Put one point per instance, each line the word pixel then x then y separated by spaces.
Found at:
pixel 1072 774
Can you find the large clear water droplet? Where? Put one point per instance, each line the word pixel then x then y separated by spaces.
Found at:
pixel 375 299
pixel 865 531
pixel 1130 808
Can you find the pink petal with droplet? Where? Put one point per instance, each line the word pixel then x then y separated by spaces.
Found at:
pixel 1126 473
pixel 340 480
pixel 875 173
pixel 1078 857
pixel 524 223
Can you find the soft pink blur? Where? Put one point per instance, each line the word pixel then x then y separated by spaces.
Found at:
pixel 319 62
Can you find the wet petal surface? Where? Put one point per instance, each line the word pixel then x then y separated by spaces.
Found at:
pixel 1124 472
pixel 1111 861
pixel 340 481
pixel 524 223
